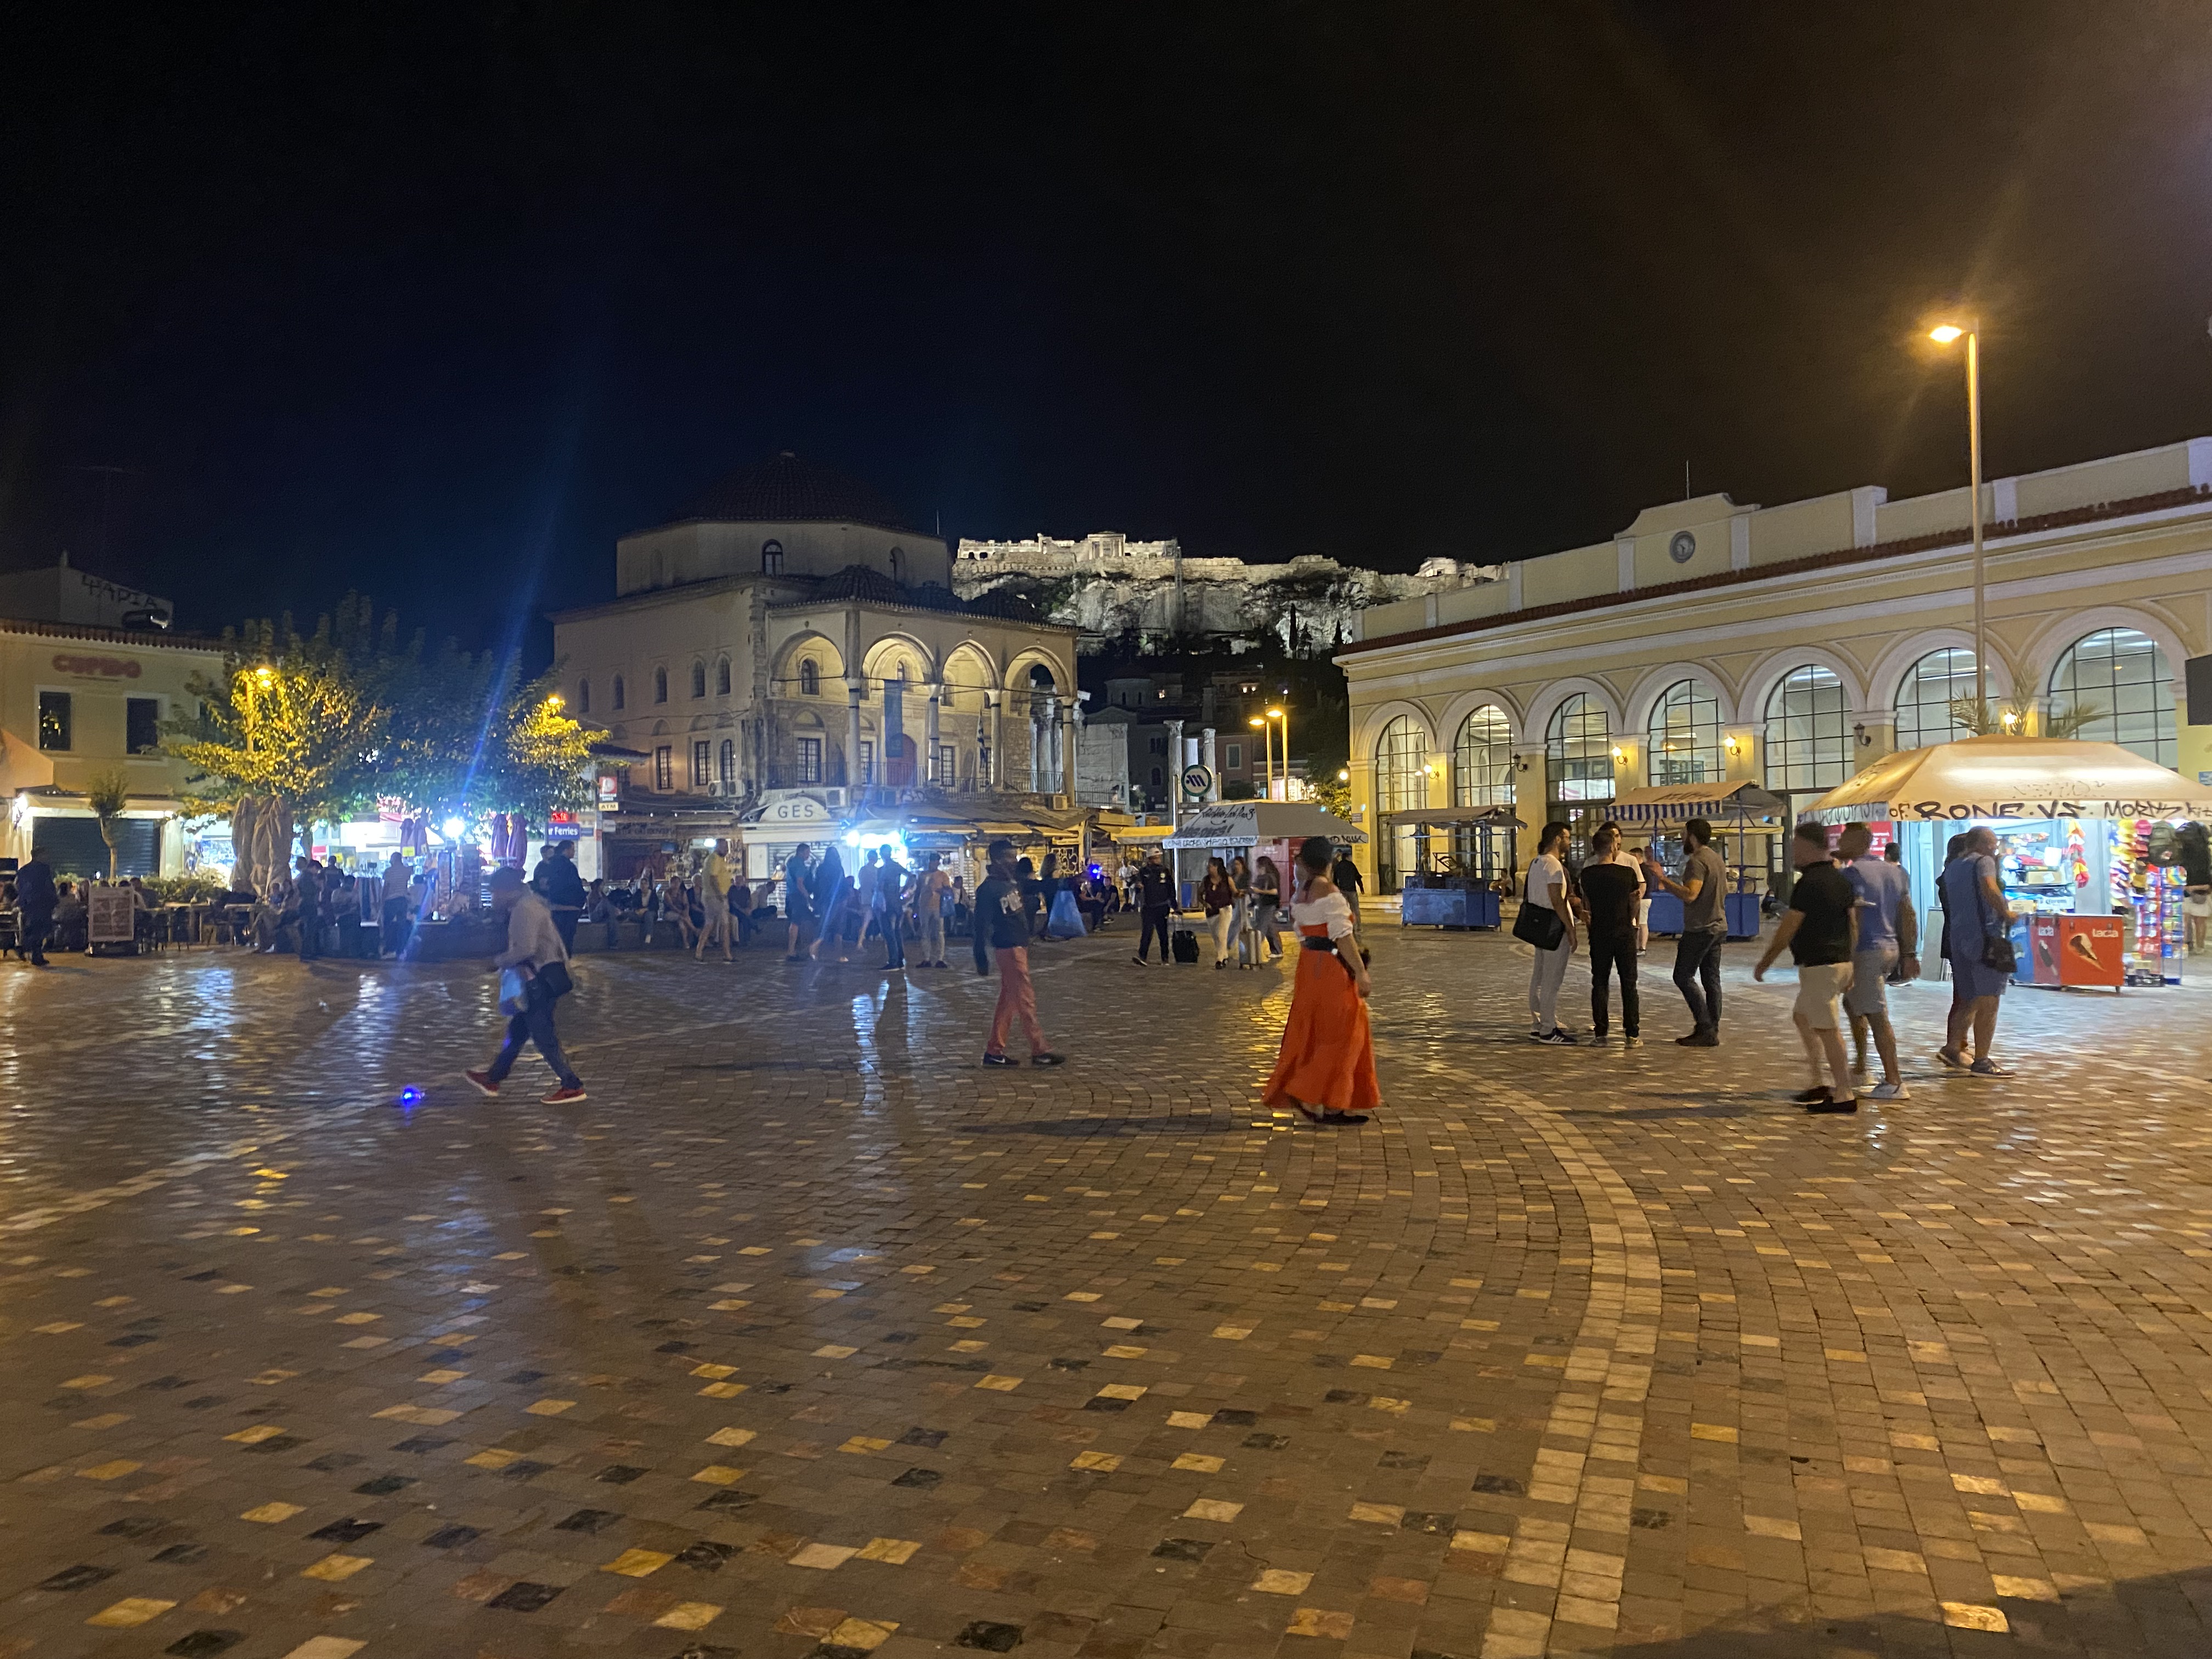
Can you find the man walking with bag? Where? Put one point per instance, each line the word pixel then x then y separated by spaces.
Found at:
pixel 534 973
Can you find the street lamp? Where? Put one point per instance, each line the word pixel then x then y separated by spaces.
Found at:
pixel 1267 751
pixel 1944 334
pixel 1283 715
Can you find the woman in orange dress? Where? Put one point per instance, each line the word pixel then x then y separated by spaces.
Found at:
pixel 1327 1066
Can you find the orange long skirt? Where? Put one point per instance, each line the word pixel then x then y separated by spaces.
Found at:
pixel 1327 1058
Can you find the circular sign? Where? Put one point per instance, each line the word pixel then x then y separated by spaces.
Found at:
pixel 1683 548
pixel 1196 780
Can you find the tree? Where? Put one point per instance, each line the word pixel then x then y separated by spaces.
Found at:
pixel 538 756
pixel 281 724
pixel 108 794
pixel 2000 720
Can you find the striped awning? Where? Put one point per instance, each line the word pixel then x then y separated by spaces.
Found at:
pixel 1678 803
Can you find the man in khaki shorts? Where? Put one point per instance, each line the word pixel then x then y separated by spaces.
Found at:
pixel 1820 928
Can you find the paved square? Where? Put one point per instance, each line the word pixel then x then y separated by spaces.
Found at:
pixel 808 1336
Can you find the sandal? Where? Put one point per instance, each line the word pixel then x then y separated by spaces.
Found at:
pixel 1952 1057
pixel 1987 1068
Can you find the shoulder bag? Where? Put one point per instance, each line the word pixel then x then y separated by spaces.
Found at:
pixel 1537 925
pixel 1997 948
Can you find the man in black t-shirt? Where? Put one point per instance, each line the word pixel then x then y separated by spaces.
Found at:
pixel 1612 884
pixel 1155 897
pixel 1821 929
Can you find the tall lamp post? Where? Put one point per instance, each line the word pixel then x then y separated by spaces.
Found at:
pixel 1267 751
pixel 1944 334
pixel 1283 715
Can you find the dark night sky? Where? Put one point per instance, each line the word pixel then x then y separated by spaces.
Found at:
pixel 436 304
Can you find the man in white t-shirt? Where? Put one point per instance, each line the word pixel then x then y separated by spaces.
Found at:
pixel 1547 889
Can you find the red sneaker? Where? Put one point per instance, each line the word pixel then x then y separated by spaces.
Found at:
pixel 482 1082
pixel 562 1096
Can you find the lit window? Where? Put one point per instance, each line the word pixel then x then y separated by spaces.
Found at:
pixel 663 767
pixel 2122 681
pixel 1482 759
pixel 728 768
pixel 700 776
pixel 54 721
pixel 1685 735
pixel 809 760
pixel 810 679
pixel 1402 785
pixel 1809 731
pixel 1925 698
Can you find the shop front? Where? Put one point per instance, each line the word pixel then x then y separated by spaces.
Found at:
pixel 2085 848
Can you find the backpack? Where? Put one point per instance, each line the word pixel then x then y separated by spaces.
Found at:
pixel 1185 945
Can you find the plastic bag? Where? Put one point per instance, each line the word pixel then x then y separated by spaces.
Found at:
pixel 513 990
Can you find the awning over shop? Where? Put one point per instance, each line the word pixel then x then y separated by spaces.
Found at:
pixel 1245 822
pixel 1435 817
pixel 2001 777
pixel 1678 803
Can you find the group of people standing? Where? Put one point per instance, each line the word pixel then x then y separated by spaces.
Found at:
pixel 829 914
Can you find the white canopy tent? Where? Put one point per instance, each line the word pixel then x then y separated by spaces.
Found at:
pixel 1248 822
pixel 2025 778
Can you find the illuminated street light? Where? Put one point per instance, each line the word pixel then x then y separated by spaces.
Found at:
pixel 1970 331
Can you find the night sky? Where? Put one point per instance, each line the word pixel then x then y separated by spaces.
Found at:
pixel 435 304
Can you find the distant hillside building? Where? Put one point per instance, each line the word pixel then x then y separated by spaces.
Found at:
pixel 1108 587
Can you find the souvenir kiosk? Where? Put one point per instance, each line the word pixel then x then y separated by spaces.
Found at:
pixel 1738 812
pixel 2081 829
pixel 1485 843
pixel 1255 829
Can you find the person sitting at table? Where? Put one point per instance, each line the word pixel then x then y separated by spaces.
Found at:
pixel 69 917
pixel 11 922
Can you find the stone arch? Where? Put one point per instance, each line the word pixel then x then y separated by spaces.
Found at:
pixel 1456 711
pixel 811 647
pixel 2061 634
pixel 1778 666
pixel 1537 728
pixel 1656 683
pixel 886 654
pixel 969 675
pixel 1890 669
pixel 1370 728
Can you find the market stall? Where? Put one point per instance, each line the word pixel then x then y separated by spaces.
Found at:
pixel 1457 888
pixel 1738 812
pixel 1254 830
pixel 2084 833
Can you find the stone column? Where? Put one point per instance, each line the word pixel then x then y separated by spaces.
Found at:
pixel 1175 773
pixel 1206 759
pixel 853 734
pixel 996 701
pixel 1068 753
pixel 928 769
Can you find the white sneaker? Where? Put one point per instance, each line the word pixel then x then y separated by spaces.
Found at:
pixel 1891 1091
pixel 1632 1043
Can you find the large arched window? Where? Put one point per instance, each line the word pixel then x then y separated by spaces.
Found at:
pixel 771 558
pixel 661 685
pixel 1686 735
pixel 1578 751
pixel 1402 785
pixel 2120 679
pixel 1482 759
pixel 584 696
pixel 698 679
pixel 1926 693
pixel 722 677
pixel 1809 731
pixel 810 679
pixel 619 691
pixel 726 765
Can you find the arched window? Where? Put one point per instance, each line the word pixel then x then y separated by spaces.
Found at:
pixel 1686 735
pixel 726 767
pixel 698 679
pixel 810 679
pixel 619 691
pixel 1402 785
pixel 898 561
pixel 771 558
pixel 1578 751
pixel 2121 680
pixel 584 696
pixel 1482 759
pixel 1809 731
pixel 661 685
pixel 722 677
pixel 1926 693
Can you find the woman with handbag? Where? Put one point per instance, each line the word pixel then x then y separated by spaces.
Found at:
pixel 1218 895
pixel 1978 938
pixel 1546 925
pixel 533 976
pixel 1326 1067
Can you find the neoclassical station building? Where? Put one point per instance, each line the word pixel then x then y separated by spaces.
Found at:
pixel 790 632
pixel 1788 646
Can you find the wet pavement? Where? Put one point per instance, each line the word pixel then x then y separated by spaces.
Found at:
pixel 807 1338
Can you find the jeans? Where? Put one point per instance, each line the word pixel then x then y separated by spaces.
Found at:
pixel 35 925
pixel 932 935
pixel 564 923
pixel 1156 922
pixel 894 930
pixel 1017 1000
pixel 1698 959
pixel 1545 975
pixel 1266 918
pixel 535 1022
pixel 1609 957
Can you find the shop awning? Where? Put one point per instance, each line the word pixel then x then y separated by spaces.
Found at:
pixel 1435 817
pixel 1244 823
pixel 1678 803
pixel 2001 777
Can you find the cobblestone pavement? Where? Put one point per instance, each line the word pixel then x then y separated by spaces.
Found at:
pixel 808 1338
